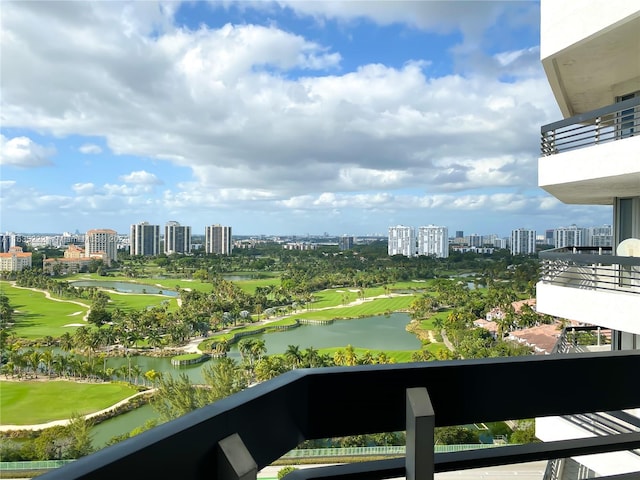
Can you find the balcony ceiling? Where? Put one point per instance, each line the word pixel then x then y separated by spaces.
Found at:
pixel 591 73
pixel 596 191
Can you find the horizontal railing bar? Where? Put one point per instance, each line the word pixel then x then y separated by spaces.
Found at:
pixel 371 470
pixel 589 259
pixel 593 114
pixel 479 458
pixel 513 454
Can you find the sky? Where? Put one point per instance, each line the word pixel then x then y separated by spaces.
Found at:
pixel 289 117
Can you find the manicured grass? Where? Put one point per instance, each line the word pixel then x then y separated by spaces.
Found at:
pixel 378 306
pixel 131 302
pixel 25 403
pixel 187 356
pixel 37 316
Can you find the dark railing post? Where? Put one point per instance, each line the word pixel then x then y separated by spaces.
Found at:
pixel 419 461
pixel 234 460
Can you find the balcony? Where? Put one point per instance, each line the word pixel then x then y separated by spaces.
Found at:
pixel 571 165
pixel 233 438
pixel 588 284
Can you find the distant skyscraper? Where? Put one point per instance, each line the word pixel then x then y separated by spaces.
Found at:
pixel 217 239
pixel 459 233
pixel 569 237
pixel 177 238
pixel 102 240
pixel 600 236
pixel 523 242
pixel 345 242
pixel 474 240
pixel 402 241
pixel 433 241
pixel 144 239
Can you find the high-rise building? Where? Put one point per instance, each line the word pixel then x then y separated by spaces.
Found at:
pixel 345 242
pixel 144 239
pixel 600 236
pixel 474 240
pixel 433 241
pixel 523 242
pixel 102 241
pixel 459 233
pixel 217 239
pixel 590 51
pixel 177 238
pixel 402 241
pixel 569 237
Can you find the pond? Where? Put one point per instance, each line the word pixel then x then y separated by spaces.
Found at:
pixel 386 332
pixel 375 333
pixel 125 287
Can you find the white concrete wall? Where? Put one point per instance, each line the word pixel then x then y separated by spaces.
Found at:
pixel 564 23
pixel 615 310
pixel 550 429
pixel 598 161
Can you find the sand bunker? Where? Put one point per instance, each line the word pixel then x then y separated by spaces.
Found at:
pixel 74 325
pixel 74 314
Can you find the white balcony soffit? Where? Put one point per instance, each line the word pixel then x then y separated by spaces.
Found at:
pixel 592 70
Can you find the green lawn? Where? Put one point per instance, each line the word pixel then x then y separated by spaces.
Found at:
pixel 37 316
pixel 378 306
pixel 130 302
pixel 25 403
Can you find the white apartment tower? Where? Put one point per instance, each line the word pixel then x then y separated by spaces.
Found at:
pixel 177 238
pixel 600 236
pixel 217 239
pixel 144 239
pixel 102 241
pixel 523 242
pixel 590 50
pixel 569 237
pixel 402 241
pixel 433 241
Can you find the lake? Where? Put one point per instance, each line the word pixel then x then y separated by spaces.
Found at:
pixel 385 332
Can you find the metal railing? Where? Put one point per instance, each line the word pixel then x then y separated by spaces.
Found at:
pixel 592 268
pixel 236 436
pixel 613 122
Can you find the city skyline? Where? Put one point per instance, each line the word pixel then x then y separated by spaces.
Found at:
pixel 289 117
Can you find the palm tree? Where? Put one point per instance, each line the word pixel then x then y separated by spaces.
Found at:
pixel 293 355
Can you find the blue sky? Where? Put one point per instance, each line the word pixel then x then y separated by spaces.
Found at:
pixel 293 117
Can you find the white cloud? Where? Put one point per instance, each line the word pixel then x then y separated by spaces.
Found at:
pixel 230 104
pixel 84 188
pixel 24 153
pixel 90 149
pixel 141 177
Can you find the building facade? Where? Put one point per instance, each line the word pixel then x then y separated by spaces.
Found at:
pixel 102 241
pixel 218 240
pixel 572 236
pixel 144 239
pixel 14 260
pixel 523 242
pixel 433 241
pixel 590 51
pixel 345 243
pixel 402 241
pixel 177 238
pixel 600 236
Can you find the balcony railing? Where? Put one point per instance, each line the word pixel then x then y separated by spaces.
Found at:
pixel 592 268
pixel 233 438
pixel 614 122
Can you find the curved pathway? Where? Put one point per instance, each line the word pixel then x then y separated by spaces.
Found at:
pixel 192 346
pixel 42 426
pixel 48 296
